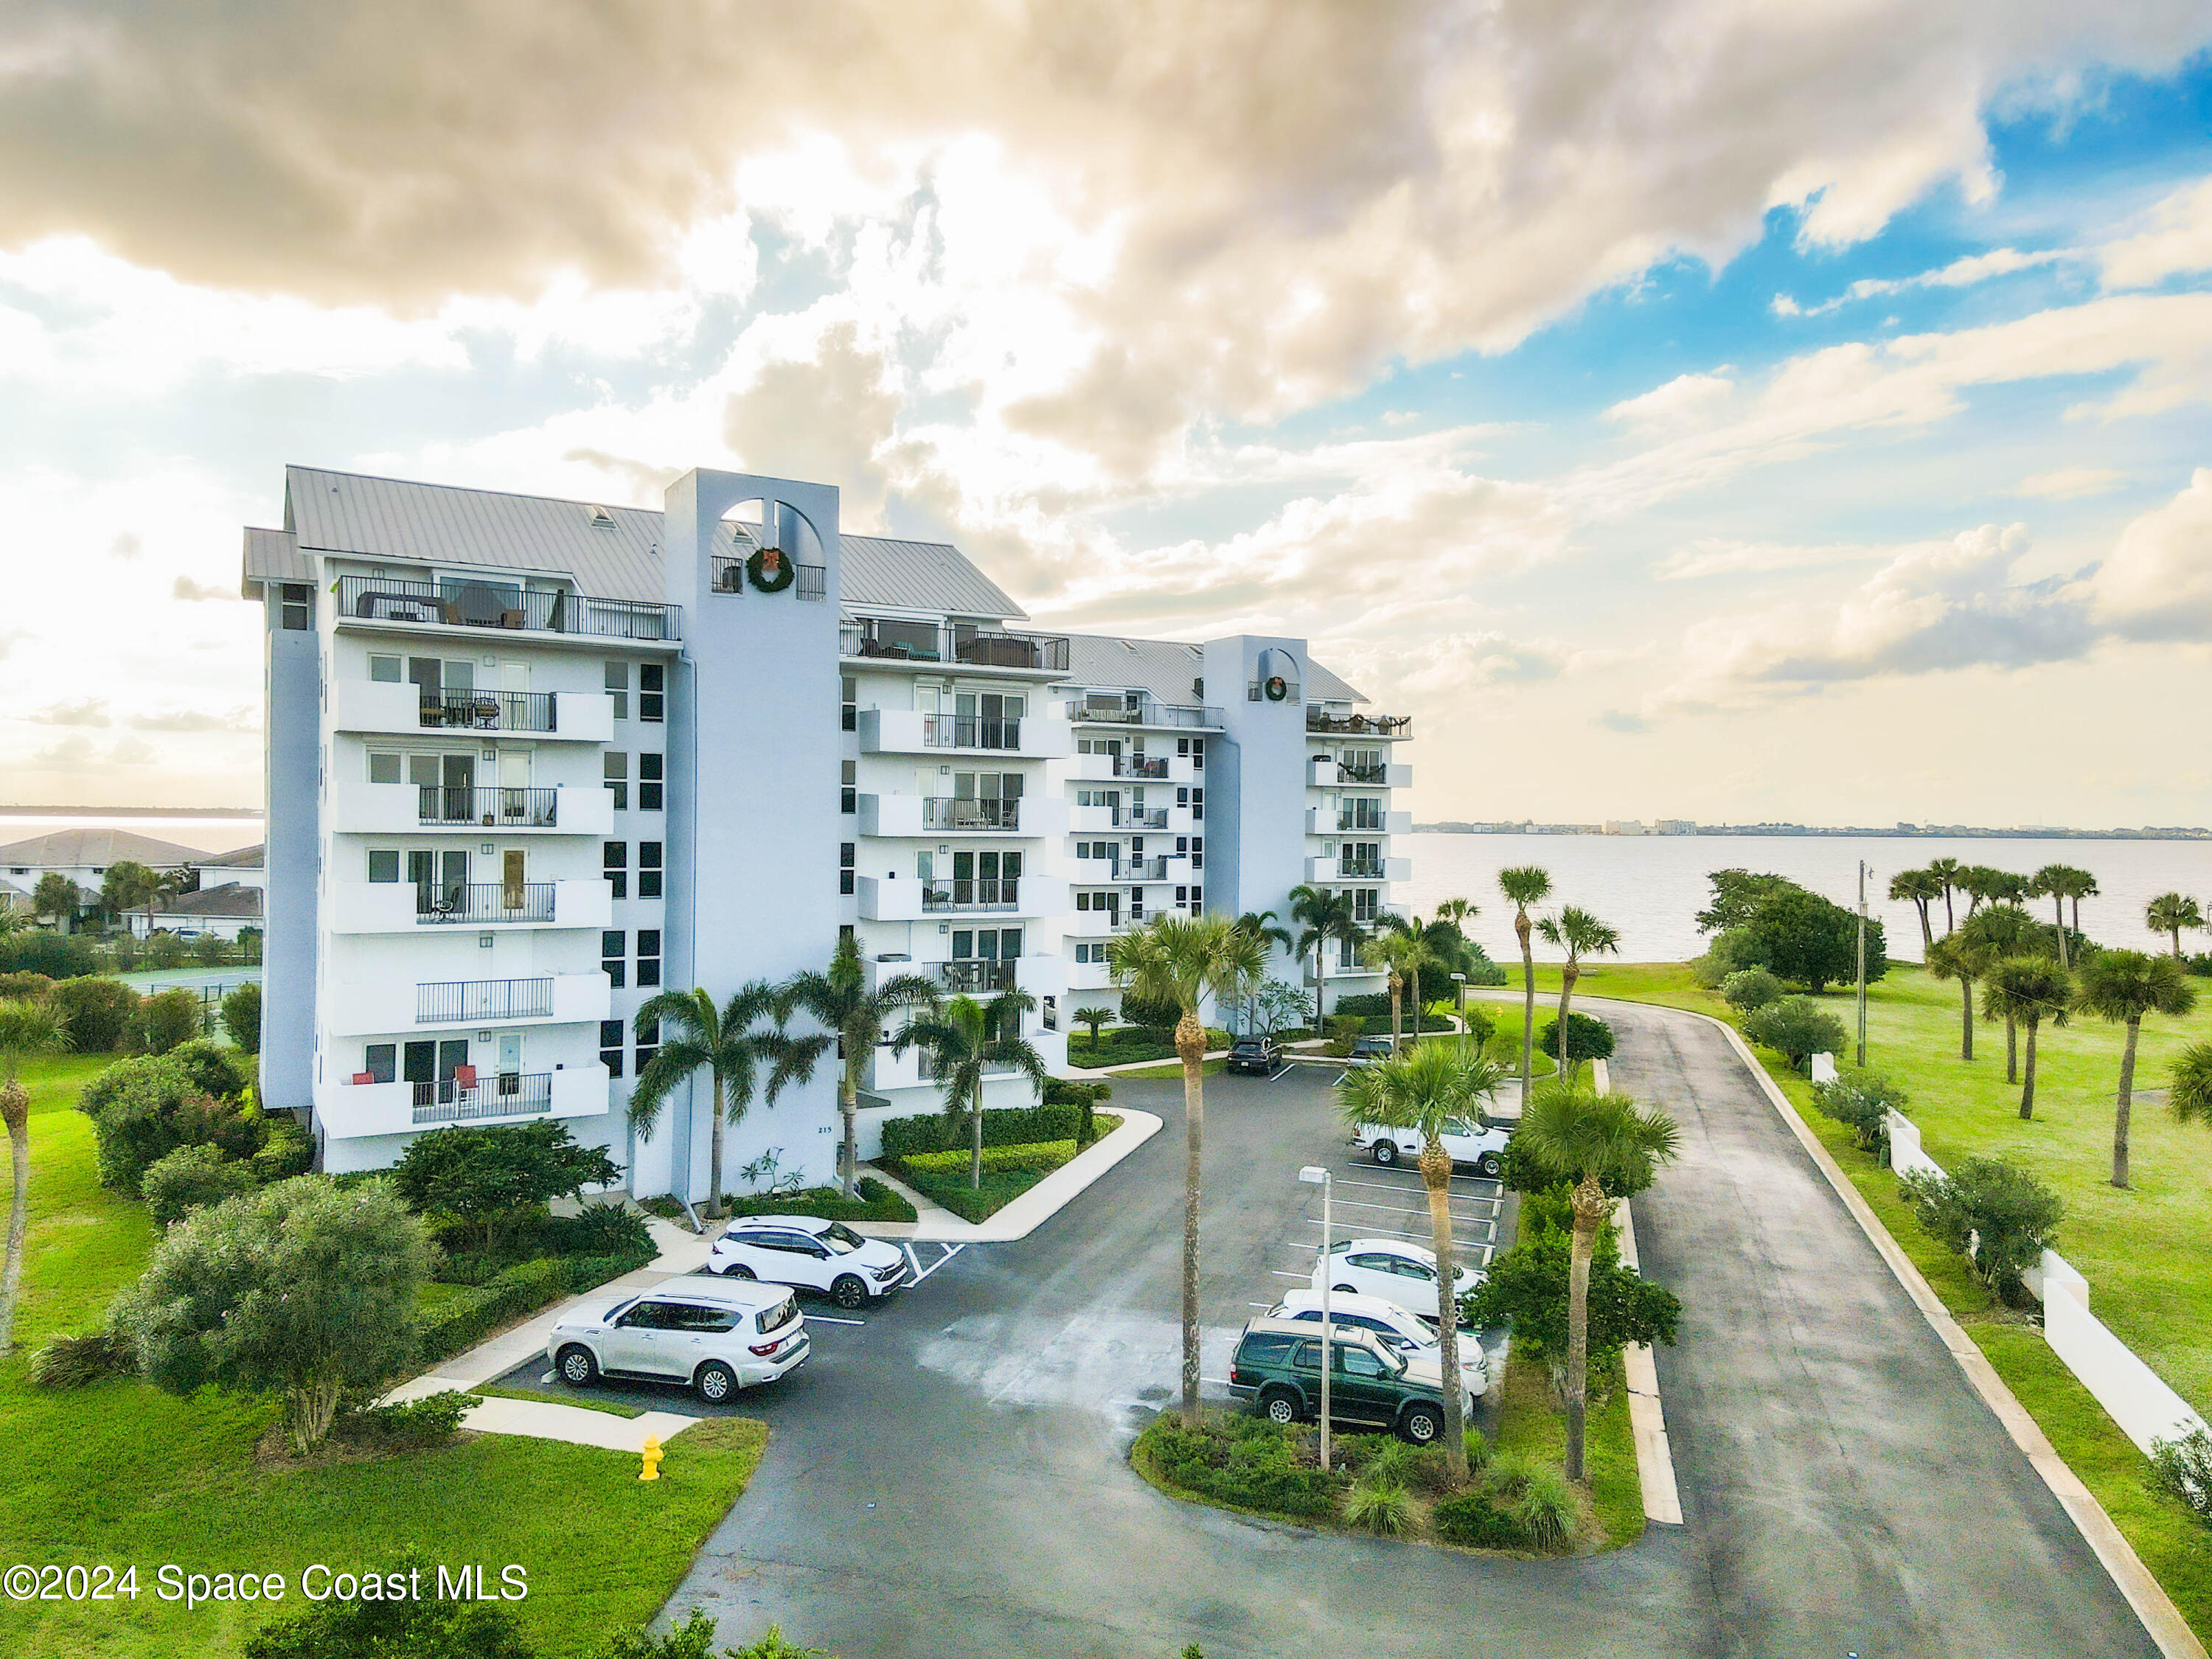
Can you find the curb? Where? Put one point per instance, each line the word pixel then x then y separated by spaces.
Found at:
pixel 1034 1208
pixel 1655 1457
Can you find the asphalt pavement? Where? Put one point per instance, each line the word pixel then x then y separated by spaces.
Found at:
pixel 949 1475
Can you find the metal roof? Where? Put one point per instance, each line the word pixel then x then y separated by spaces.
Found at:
pixel 613 552
pixel 231 899
pixel 1167 668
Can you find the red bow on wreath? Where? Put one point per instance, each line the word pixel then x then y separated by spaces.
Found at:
pixel 771 563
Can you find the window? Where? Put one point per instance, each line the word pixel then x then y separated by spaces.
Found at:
pixel 648 778
pixel 385 671
pixel 1359 812
pixel 380 1061
pixel 297 609
pixel 845 852
pixel 1049 1012
pixel 618 684
pixel 1198 754
pixel 848 693
pixel 610 1046
pixel 1198 898
pixel 649 1043
pixel 1357 1362
pixel 648 956
pixel 649 869
pixel 614 862
pixel 615 768
pixel 1093 951
pixel 1364 907
pixel 383 769
pixel 1198 852
pixel 610 956
pixel 1182 796
pixel 383 867
pixel 848 789
pixel 652 683
pixel 1198 805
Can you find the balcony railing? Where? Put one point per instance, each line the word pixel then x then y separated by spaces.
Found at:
pixel 490 806
pixel 1363 869
pixel 980 893
pixel 949 812
pixel 490 711
pixel 889 638
pixel 1373 726
pixel 1144 712
pixel 1346 826
pixel 726 575
pixel 469 603
pixel 504 1094
pixel 971 732
pixel 1144 870
pixel 1139 766
pixel 474 1001
pixel 1375 773
pixel 1153 818
pixel 475 902
pixel 972 976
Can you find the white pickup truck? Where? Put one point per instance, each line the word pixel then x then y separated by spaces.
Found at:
pixel 1469 1144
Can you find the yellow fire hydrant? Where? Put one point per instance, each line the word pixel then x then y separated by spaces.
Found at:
pixel 652 1454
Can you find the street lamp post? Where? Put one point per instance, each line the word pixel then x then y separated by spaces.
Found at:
pixel 1459 1007
pixel 1314 1175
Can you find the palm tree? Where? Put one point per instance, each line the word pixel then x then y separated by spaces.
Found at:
pixel 1093 1018
pixel 1597 1141
pixel 1402 953
pixel 2123 985
pixel 2007 888
pixel 2026 990
pixel 2169 913
pixel 57 896
pixel 1952 957
pixel 1526 884
pixel 1450 951
pixel 2191 1093
pixel 1325 919
pixel 2058 882
pixel 1923 889
pixel 1979 884
pixel 1579 934
pixel 1185 960
pixel 1946 871
pixel 2003 930
pixel 965 1043
pixel 2084 885
pixel 1431 1090
pixel 840 1000
pixel 1266 927
pixel 29 1027
pixel 723 1042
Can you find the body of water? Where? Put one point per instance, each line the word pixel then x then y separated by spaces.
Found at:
pixel 1651 887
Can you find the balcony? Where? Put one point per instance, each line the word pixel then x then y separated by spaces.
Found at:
pixel 1134 870
pixel 478 604
pixel 891 640
pixel 386 706
pixel 391 907
pixel 397 1005
pixel 1086 977
pixel 896 899
pixel 1091 924
pixel 397 808
pixel 1144 712
pixel 1388 775
pixel 1361 726
pixel 921 816
pixel 992 893
pixel 1141 767
pixel 352 1111
pixel 728 576
pixel 904 732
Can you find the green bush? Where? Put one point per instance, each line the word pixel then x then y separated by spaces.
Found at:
pixel 146 1107
pixel 1042 1155
pixel 2007 1215
pixel 1796 1028
pixel 2182 1470
pixel 288 1150
pixel 428 1628
pixel 430 1421
pixel 605 1228
pixel 1241 1459
pixel 214 1069
pixel 40 950
pixel 18 987
pixel 1731 951
pixel 1379 1506
pixel 1475 1519
pixel 1365 1005
pixel 1072 1091
pixel 1545 1510
pixel 1863 1100
pixel 1587 1038
pixel 878 1203
pixel 460 1323
pixel 241 1016
pixel 1477 1448
pixel 71 1362
pixel 99 1011
pixel 168 1018
pixel 1750 988
pixel 1010 1126
pixel 193 1176
pixel 1528 1288
pixel 1149 1014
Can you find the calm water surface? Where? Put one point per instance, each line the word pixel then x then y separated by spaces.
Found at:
pixel 1651 887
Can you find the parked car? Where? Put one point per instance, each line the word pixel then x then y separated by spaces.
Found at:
pixel 1260 1056
pixel 1366 1050
pixel 810 1254
pixel 1393 1269
pixel 1477 1146
pixel 1409 1333
pixel 718 1338
pixel 1277 1367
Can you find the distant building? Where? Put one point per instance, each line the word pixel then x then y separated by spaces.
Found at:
pixel 226 912
pixel 245 867
pixel 84 855
pixel 1625 827
pixel 1675 827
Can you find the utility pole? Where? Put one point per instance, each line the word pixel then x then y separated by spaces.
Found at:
pixel 1862 876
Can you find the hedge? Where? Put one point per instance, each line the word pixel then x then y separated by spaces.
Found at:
pixel 878 1203
pixel 463 1321
pixel 1008 1126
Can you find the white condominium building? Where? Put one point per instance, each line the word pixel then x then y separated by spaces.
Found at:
pixel 530 761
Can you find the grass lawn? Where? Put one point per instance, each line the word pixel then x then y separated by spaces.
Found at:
pixel 1528 1425
pixel 122 1473
pixel 1173 1069
pixel 575 1397
pixel 1125 1045
pixel 1008 1171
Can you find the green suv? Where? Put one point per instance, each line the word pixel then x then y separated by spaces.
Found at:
pixel 1278 1367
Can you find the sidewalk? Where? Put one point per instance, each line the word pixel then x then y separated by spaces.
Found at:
pixel 934 1225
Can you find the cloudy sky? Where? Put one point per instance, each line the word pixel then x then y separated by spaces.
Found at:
pixel 1683 407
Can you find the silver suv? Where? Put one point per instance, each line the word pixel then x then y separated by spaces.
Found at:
pixel 716 1336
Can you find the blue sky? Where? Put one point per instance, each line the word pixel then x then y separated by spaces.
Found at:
pixel 1790 417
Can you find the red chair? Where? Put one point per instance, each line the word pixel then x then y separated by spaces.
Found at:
pixel 465 1076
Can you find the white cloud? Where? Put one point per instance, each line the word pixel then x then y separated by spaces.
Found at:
pixel 2176 238
pixel 1719 557
pixel 2157 583
pixel 82 711
pixel 1686 400
pixel 2068 483
pixel 1961 273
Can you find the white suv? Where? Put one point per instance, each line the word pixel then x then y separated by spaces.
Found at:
pixel 1393 1270
pixel 809 1254
pixel 717 1338
pixel 1409 1333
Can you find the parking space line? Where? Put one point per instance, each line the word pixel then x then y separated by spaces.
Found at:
pixel 1409 1186
pixel 826 1319
pixel 1303 1279
pixel 1419 1238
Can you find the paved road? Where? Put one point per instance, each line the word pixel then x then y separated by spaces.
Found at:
pixel 951 1478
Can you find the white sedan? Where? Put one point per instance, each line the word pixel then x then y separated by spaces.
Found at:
pixel 1469 1144
pixel 810 1254
pixel 1413 1337
pixel 1392 1269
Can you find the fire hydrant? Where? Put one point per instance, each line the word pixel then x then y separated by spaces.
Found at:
pixel 652 1454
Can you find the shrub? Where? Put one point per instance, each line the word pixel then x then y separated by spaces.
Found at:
pixel 462 1321
pixel 1544 1508
pixel 1730 952
pixel 1796 1028
pixel 1365 1004
pixel 1475 1519
pixel 1587 1038
pixel 1009 1126
pixel 288 1150
pixel 1380 1507
pixel 71 1362
pixel 39 951
pixel 1163 1015
pixel 144 1108
pixel 1750 988
pixel 494 1176
pixel 213 1068
pixel 1072 1091
pixel 2011 1216
pixel 2183 1469
pixel 1477 1448
pixel 14 987
pixel 1243 1460
pixel 1481 1026
pixel 1527 1287
pixel 878 1203
pixel 1864 1100
pixel 168 1018
pixel 1344 1030
pixel 99 1012
pixel 364 1629
pixel 432 1420
pixel 599 1228
pixel 242 1017
pixel 191 1176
